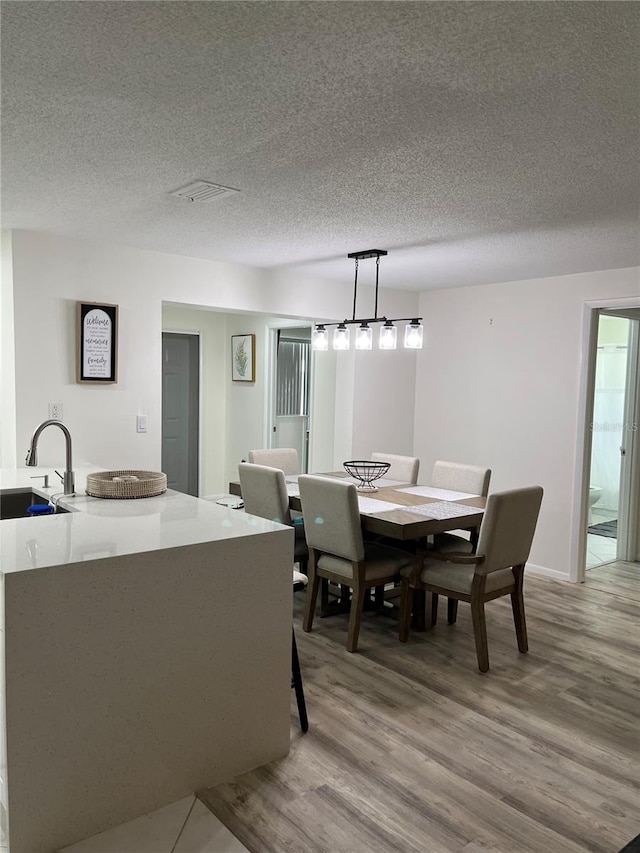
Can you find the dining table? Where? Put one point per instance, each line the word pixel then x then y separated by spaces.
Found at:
pixel 399 511
pixel 402 511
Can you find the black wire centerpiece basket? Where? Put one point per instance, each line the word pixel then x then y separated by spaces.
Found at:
pixel 366 473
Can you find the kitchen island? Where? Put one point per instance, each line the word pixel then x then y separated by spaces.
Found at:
pixel 147 655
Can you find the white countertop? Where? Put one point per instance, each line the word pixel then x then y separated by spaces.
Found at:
pixel 96 527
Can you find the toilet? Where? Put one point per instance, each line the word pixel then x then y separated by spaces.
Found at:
pixel 594 496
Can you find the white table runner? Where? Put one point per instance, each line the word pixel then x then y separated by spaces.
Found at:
pixel 440 494
pixel 371 505
pixel 293 488
pixel 443 509
pixel 382 483
pixel 365 504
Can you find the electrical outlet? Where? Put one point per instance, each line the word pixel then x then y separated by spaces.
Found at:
pixel 141 423
pixel 55 411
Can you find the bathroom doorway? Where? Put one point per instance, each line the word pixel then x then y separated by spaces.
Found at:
pixel 612 522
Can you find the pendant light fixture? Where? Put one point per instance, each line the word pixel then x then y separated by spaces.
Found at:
pixel 388 337
pixel 364 337
pixel 413 335
pixel 320 340
pixel 341 337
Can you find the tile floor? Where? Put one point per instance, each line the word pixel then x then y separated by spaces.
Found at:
pixel 600 549
pixel 183 827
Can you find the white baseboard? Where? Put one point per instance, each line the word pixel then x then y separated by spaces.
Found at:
pixel 543 571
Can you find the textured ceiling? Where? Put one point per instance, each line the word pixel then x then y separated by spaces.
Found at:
pixel 475 141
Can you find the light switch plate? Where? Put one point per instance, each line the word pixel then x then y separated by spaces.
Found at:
pixel 141 423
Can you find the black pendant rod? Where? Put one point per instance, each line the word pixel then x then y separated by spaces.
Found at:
pixel 368 253
pixel 355 290
pixel 375 307
pixel 362 320
pixel 359 256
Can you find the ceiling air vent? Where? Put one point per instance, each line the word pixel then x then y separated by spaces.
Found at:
pixel 203 191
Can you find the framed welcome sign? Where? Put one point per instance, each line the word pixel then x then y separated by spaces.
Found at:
pixel 97 359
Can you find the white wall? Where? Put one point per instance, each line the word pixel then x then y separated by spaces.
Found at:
pixel 246 401
pixel 323 399
pixel 502 393
pixel 374 391
pixel 346 392
pixel 51 273
pixel 497 385
pixel 385 383
pixel 7 357
pixel 231 412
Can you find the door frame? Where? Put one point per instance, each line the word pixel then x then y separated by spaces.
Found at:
pixel 628 527
pixel 271 361
pixel 582 463
pixel 197 335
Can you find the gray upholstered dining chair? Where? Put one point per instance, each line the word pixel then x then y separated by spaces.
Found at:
pixel 284 458
pixel 496 569
pixel 337 550
pixel 458 477
pixel 264 492
pixel 461 478
pixel 402 468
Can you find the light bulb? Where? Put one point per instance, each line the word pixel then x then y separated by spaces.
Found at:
pixel 364 337
pixel 388 336
pixel 320 338
pixel 341 337
pixel 413 335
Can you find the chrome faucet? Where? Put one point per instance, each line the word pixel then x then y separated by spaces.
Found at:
pixel 31 459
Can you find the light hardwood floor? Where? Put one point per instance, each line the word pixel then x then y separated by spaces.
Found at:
pixel 411 749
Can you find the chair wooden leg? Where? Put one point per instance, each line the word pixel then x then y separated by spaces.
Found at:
pixel 517 605
pixel 452 611
pixel 473 538
pixel 355 617
pixel 480 633
pixel 296 683
pixel 404 618
pixel 379 597
pixel 418 621
pixel 324 596
pixel 432 609
pixel 310 603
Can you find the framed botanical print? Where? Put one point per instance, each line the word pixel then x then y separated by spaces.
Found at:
pixel 243 358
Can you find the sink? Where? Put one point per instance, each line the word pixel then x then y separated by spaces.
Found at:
pixel 15 504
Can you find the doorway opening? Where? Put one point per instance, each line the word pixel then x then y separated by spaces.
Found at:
pixel 181 410
pixel 607 428
pixel 292 391
pixel 607 511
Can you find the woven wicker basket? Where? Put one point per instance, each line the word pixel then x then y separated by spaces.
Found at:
pixel 126 484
